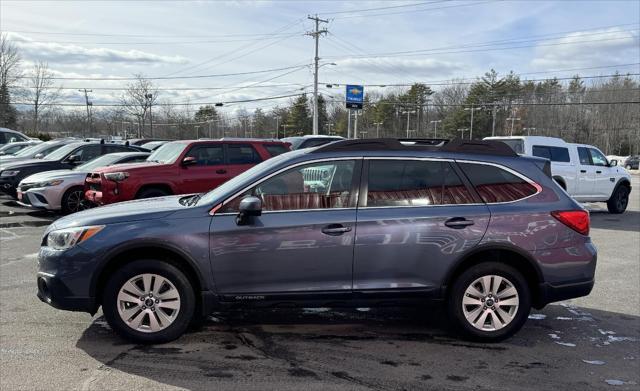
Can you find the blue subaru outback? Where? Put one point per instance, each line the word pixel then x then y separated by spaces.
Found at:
pixel 351 223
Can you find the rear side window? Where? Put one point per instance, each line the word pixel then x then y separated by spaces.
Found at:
pixel 585 158
pixel 117 148
pixel 275 149
pixel 555 154
pixel 414 183
pixel 495 184
pixel 242 154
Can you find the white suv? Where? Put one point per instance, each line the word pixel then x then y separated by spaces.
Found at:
pixel 582 170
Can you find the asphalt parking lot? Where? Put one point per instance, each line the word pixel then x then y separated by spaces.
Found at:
pixel 591 343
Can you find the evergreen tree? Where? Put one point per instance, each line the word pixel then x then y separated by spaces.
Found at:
pixel 8 113
pixel 299 120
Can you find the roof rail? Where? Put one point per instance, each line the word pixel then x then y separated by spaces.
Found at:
pixel 389 144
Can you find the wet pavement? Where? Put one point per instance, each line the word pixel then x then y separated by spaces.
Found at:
pixel 592 343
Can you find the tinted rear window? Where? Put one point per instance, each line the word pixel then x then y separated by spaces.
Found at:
pixel 495 184
pixel 275 149
pixel 555 154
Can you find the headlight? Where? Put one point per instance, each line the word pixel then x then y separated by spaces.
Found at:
pixel 116 176
pixel 63 239
pixel 54 182
pixel 10 173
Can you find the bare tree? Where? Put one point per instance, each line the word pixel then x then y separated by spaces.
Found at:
pixel 40 91
pixel 9 73
pixel 138 100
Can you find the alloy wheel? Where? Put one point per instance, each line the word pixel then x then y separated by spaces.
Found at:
pixel 148 303
pixel 490 303
pixel 76 202
pixel 623 199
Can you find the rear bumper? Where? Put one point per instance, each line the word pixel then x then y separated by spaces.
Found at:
pixel 548 293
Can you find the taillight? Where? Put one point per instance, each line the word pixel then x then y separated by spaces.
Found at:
pixel 577 220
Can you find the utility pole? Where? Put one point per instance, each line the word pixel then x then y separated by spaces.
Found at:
pixel 463 130
pixel 348 123
pixel 316 35
pixel 284 130
pixel 435 127
pixel 277 126
pixel 377 124
pixel 472 109
pixel 89 104
pixel 513 118
pixel 149 98
pixel 493 118
pixel 408 112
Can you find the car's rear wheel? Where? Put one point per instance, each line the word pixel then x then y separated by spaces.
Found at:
pixel 628 166
pixel 73 200
pixel 489 302
pixel 619 200
pixel 149 301
pixel 152 192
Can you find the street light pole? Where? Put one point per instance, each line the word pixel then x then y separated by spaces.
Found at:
pixel 463 130
pixel 528 130
pixel 149 98
pixel 377 124
pixel 408 112
pixel 513 118
pixel 435 127
pixel 472 109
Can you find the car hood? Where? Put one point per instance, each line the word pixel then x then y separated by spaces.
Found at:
pixel 122 212
pixel 55 174
pixel 129 167
pixel 22 163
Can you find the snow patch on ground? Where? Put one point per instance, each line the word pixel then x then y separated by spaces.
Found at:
pixel 537 316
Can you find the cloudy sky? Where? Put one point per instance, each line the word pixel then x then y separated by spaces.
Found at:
pixel 370 42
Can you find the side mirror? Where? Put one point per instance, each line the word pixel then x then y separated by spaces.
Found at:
pixel 189 161
pixel 249 207
pixel 613 163
pixel 38 156
pixel 73 159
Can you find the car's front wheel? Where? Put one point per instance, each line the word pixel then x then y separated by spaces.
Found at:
pixel 73 201
pixel 489 302
pixel 149 301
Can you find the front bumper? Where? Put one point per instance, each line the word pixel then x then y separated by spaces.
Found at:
pixel 40 198
pixel 64 279
pixel 53 291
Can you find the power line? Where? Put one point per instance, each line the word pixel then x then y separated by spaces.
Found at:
pixel 173 77
pixel 446 50
pixel 448 83
pixel 162 42
pixel 413 10
pixel 384 8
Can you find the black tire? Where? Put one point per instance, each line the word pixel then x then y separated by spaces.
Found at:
pixel 151 192
pixel 149 266
pixel 628 166
pixel 619 200
pixel 457 293
pixel 73 200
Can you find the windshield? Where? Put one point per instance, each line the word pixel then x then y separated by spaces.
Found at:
pixel 516 144
pixel 61 152
pixel 100 161
pixel 294 141
pixel 167 153
pixel 254 172
pixel 33 150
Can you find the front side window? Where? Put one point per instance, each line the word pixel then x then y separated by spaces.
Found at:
pixel 495 184
pixel 87 153
pixel 242 154
pixel 598 158
pixel 207 155
pixel 324 185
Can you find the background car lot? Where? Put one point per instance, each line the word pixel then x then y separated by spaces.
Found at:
pixel 589 343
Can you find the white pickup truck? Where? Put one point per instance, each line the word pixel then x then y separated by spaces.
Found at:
pixel 582 170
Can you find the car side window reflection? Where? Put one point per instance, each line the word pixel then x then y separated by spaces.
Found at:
pixel 324 185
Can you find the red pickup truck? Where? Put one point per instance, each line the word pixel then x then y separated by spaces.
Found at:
pixel 180 167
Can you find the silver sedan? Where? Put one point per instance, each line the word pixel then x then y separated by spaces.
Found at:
pixel 64 189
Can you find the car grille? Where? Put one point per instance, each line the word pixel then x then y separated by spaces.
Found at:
pixel 26 186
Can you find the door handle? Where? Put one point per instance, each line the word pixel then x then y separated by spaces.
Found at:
pixel 221 171
pixel 458 223
pixel 335 229
pixel 583 171
pixel 598 172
